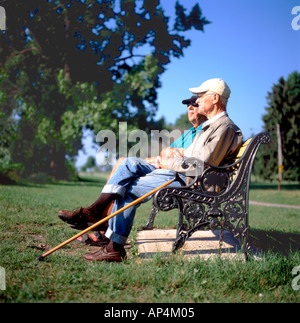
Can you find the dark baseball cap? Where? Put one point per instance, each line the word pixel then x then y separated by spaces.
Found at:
pixel 191 101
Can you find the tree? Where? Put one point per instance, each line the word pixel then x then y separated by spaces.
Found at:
pixel 283 109
pixel 75 65
pixel 90 164
pixel 182 122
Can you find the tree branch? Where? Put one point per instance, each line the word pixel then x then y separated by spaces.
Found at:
pixel 26 50
pixel 128 57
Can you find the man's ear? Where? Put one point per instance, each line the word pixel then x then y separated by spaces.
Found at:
pixel 216 98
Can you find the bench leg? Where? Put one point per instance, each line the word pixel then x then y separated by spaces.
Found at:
pixel 182 236
pixel 149 225
pixel 242 235
pixel 245 245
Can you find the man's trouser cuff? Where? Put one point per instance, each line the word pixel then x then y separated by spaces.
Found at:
pixel 115 237
pixel 114 189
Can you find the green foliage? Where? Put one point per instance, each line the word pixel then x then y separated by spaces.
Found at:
pixel 182 122
pixel 283 109
pixel 67 66
pixel 90 164
pixel 184 22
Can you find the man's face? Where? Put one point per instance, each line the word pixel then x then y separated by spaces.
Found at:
pixel 205 103
pixel 195 117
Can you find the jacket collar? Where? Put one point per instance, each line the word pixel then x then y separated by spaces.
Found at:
pixel 215 118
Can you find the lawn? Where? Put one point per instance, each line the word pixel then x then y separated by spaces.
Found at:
pixel 29 225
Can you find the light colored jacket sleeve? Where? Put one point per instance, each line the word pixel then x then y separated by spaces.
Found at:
pixel 215 145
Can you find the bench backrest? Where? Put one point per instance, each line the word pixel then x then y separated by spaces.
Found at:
pixel 242 150
pixel 215 182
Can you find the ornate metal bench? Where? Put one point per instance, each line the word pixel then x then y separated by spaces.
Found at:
pixel 217 198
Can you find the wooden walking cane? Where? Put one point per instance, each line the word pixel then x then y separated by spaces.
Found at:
pixel 42 257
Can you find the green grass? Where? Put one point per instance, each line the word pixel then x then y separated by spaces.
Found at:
pixel 288 194
pixel 29 224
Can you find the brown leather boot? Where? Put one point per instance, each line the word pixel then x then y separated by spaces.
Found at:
pixel 113 252
pixel 91 214
pixel 78 216
pixel 99 206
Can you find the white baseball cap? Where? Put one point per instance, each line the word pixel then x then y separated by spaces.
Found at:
pixel 216 85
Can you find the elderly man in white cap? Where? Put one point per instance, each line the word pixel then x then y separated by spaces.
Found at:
pixel 218 141
pixel 220 138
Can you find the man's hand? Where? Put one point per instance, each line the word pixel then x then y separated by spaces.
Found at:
pixel 178 153
pixel 157 162
pixel 163 160
pixel 161 163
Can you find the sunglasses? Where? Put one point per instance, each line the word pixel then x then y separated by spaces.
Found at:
pixel 194 104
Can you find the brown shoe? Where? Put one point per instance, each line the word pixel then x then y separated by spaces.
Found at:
pixel 109 253
pixel 96 239
pixel 79 216
pixel 84 225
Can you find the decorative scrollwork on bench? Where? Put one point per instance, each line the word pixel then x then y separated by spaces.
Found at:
pixel 216 198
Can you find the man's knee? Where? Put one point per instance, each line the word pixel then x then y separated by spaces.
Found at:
pixel 134 161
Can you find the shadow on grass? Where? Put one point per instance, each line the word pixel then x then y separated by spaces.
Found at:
pixel 84 181
pixel 39 182
pixel 99 182
pixel 278 242
pixel 274 186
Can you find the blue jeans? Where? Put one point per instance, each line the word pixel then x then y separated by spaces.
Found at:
pixel 132 179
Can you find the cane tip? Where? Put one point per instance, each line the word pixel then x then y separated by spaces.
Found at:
pixel 40 258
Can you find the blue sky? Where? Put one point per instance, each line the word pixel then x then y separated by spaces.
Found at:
pixel 250 44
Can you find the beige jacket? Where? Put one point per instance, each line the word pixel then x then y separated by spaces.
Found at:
pixel 217 143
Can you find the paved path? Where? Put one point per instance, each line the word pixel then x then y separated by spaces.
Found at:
pixel 275 205
pixel 202 243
